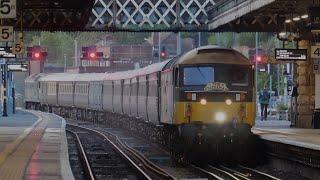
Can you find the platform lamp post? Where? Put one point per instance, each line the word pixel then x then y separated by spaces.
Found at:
pixel 4 79
pixel 65 62
pixel 256 71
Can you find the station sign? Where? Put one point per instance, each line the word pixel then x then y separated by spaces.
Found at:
pixel 6 52
pixel 18 67
pixel 291 54
pixel 6 34
pixel 88 63
pixel 8 9
pixel 315 51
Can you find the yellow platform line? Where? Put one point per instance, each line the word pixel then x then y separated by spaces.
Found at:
pixel 15 158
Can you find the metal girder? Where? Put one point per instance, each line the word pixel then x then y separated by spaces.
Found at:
pixel 51 15
pixel 150 15
pixel 257 15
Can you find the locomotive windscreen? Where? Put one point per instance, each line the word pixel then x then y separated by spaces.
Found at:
pixel 198 75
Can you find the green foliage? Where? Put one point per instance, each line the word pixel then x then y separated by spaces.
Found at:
pixel 221 39
pixel 130 37
pixel 57 44
pixel 212 40
pixel 247 39
pixel 60 44
pixel 282 107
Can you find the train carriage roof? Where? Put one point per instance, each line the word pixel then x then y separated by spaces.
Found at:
pixel 153 68
pixel 86 77
pixel 213 54
pixel 34 77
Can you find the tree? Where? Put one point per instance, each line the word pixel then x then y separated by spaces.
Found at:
pixel 130 37
pixel 221 39
pixel 57 45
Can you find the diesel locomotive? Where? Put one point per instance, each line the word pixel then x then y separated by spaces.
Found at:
pixel 200 104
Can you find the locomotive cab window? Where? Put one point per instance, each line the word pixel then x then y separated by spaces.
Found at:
pixel 199 75
pixel 239 77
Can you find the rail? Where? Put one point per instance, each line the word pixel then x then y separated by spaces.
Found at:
pixel 83 156
pixel 144 166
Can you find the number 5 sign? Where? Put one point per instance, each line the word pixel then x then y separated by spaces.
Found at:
pixel 6 33
pixel 8 9
pixel 315 52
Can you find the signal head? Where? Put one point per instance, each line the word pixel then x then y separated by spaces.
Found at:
pixel 92 55
pixel 259 58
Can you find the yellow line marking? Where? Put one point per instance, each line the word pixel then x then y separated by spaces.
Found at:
pixel 11 147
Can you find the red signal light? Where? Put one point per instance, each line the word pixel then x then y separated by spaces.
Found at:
pixel 162 54
pixel 259 58
pixel 37 55
pixel 92 55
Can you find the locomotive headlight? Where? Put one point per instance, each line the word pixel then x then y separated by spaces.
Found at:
pixel 228 102
pixel 220 116
pixel 203 101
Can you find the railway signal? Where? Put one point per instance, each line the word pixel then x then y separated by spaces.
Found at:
pixel 90 53
pixel 163 53
pixel 260 58
pixel 35 53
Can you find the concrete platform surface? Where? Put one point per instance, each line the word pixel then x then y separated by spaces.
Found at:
pixel 33 145
pixel 307 138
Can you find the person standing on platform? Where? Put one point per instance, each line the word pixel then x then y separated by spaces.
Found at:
pixel 294 104
pixel 264 98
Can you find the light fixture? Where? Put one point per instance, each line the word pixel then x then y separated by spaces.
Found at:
pixel 288 21
pixel 228 102
pixel 282 34
pixel 296 18
pixel 220 116
pixel 203 101
pixel 305 16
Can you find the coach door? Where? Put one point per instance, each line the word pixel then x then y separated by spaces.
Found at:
pixel 166 97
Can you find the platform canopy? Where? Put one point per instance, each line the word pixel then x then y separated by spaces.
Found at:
pixel 259 15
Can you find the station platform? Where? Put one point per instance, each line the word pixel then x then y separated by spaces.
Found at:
pixel 33 145
pixel 305 138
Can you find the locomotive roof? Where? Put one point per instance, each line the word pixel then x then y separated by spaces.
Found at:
pixel 213 54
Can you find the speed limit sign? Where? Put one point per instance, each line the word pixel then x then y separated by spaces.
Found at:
pixel 6 33
pixel 8 9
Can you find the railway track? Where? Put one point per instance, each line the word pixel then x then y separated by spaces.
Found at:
pixel 140 151
pixel 96 161
pixel 156 165
pixel 238 173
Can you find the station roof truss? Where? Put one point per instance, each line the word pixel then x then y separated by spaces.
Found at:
pixel 51 15
pixel 112 15
pixel 258 15
pixel 150 15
